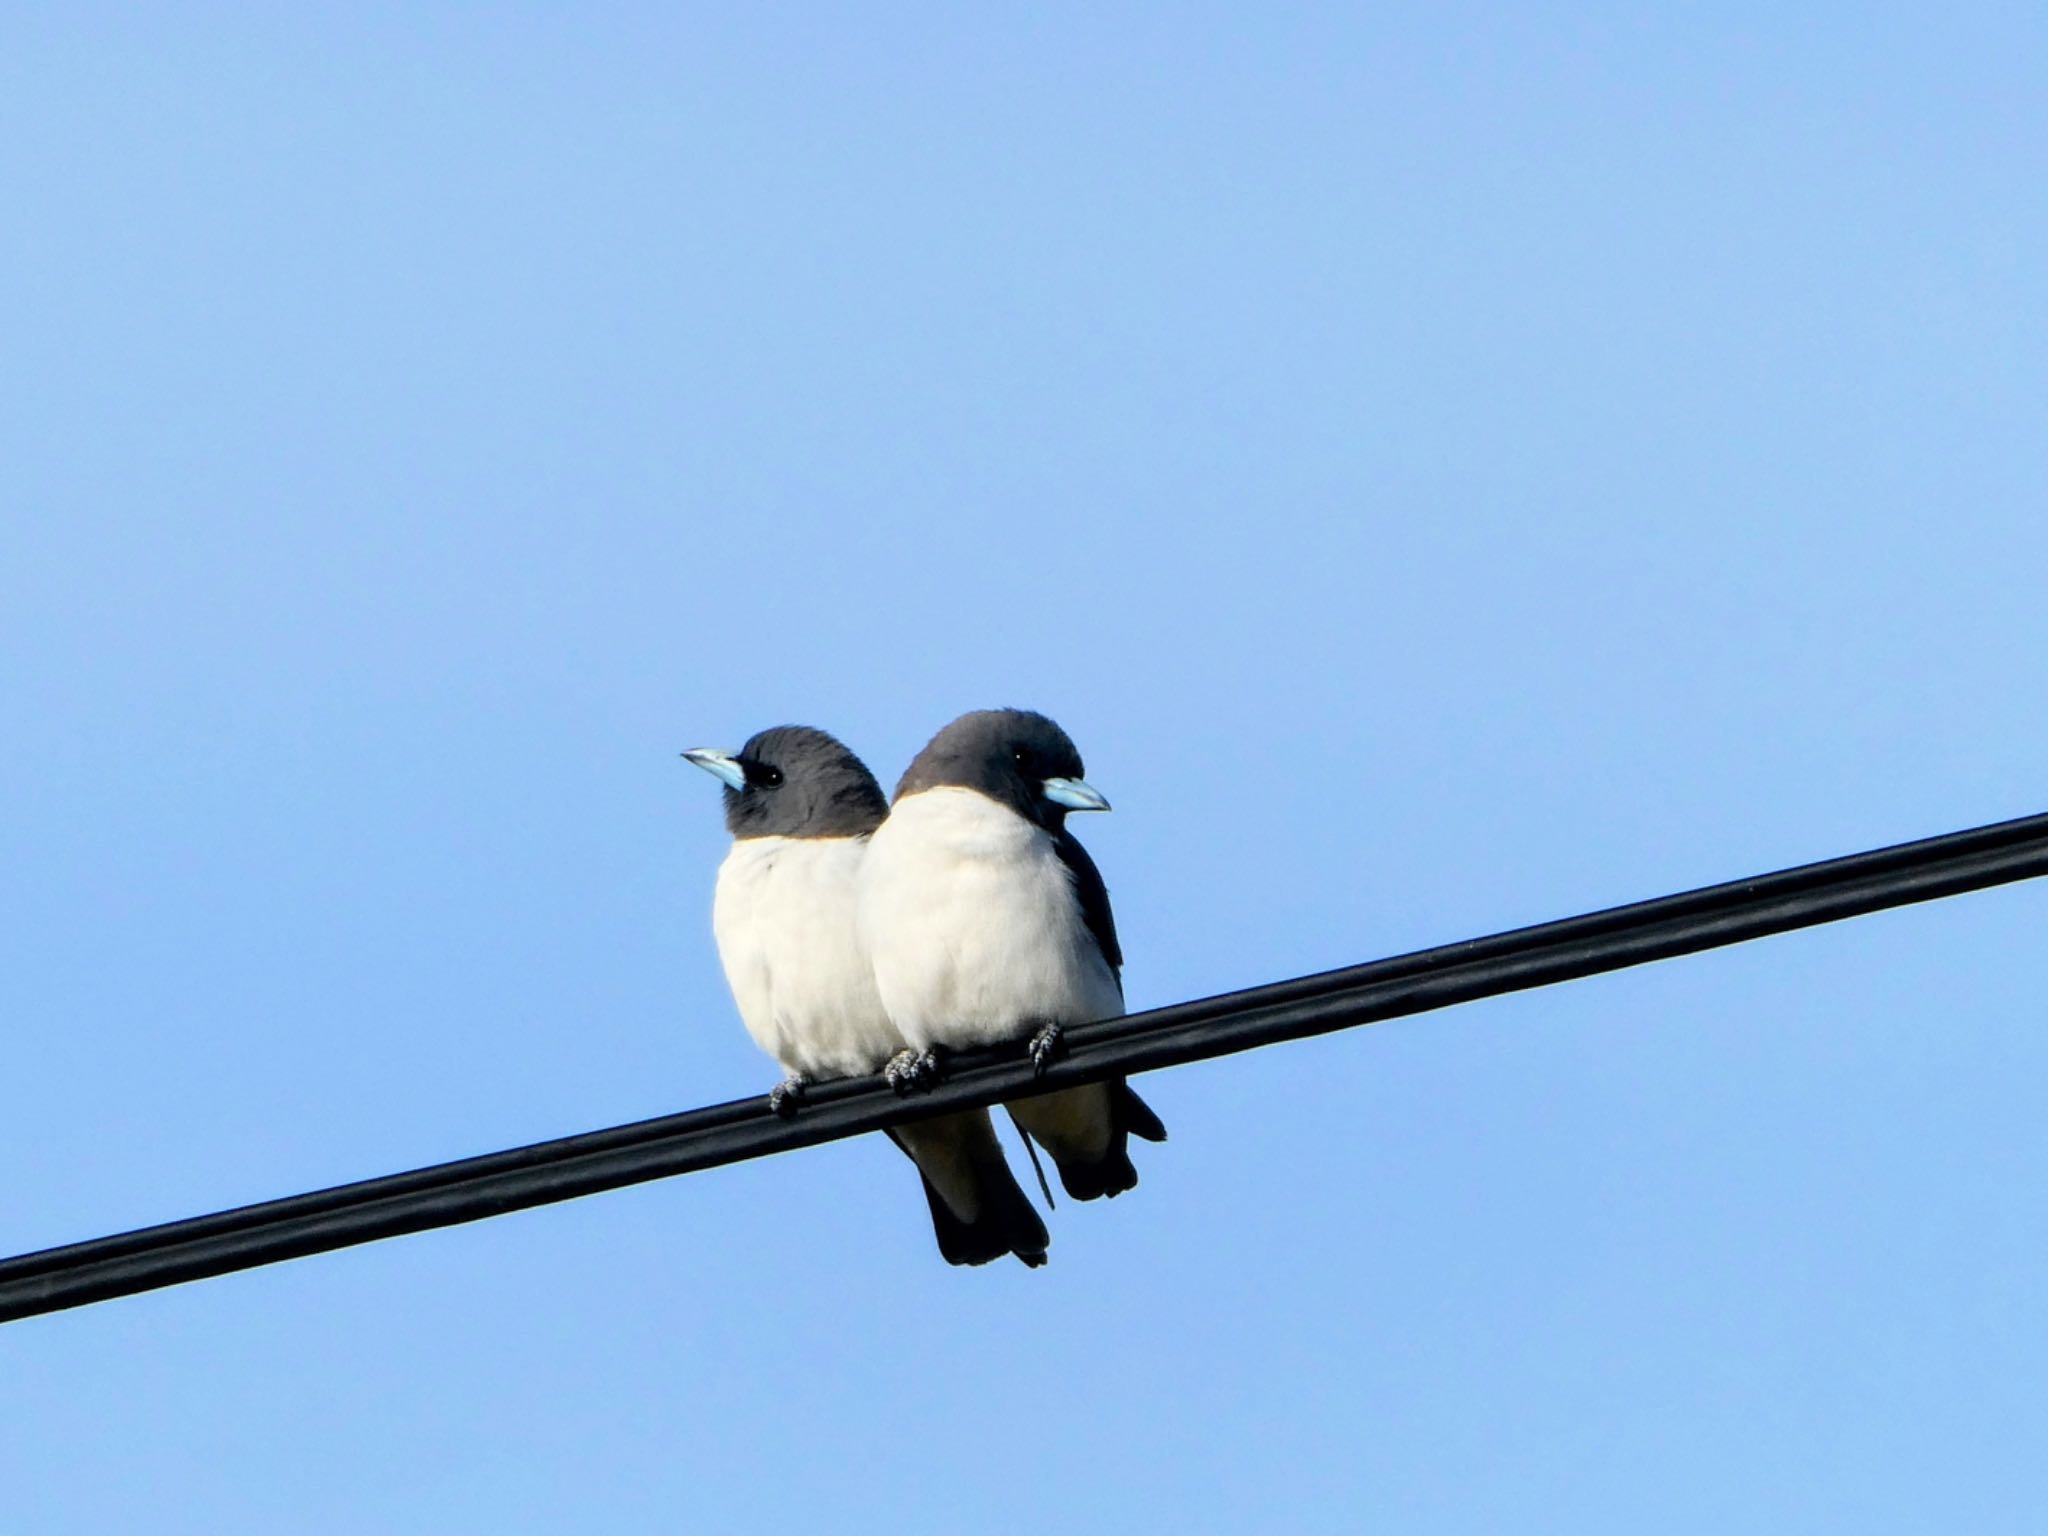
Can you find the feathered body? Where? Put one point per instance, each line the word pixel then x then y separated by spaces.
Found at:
pixel 975 925
pixel 985 920
pixel 783 914
pixel 783 918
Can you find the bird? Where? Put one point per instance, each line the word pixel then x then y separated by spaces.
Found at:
pixel 987 923
pixel 801 808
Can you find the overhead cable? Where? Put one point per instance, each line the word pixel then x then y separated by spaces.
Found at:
pixel 491 1185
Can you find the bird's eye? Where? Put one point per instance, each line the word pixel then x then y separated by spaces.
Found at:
pixel 771 778
pixel 1021 756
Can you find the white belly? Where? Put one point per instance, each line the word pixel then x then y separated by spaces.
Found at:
pixel 973 926
pixel 784 920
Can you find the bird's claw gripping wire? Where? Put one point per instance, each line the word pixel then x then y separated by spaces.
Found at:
pixel 911 1071
pixel 787 1096
pixel 1047 1047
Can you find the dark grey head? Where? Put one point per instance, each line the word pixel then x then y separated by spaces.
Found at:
pixel 794 781
pixel 1015 757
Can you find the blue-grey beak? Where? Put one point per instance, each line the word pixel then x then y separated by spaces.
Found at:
pixel 721 765
pixel 1075 794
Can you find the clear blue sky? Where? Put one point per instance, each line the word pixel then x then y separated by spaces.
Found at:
pixel 1449 467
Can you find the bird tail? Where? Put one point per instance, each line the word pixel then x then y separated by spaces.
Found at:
pixel 1069 1125
pixel 979 1212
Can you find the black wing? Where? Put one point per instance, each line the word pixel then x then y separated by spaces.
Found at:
pixel 1094 899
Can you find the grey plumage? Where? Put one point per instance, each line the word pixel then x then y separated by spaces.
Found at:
pixel 802 782
pixel 801 808
pixel 1005 754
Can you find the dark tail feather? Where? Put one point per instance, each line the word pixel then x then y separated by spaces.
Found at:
pixel 1111 1175
pixel 1113 1172
pixel 1134 1114
pixel 1007 1221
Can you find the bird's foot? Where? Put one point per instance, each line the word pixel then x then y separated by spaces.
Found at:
pixel 787 1096
pixel 1047 1047
pixel 911 1071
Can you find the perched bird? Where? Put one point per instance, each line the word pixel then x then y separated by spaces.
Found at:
pixel 987 922
pixel 801 808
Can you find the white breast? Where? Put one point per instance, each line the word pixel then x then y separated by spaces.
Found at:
pixel 784 920
pixel 973 926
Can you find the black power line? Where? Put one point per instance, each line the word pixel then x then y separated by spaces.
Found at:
pixel 476 1187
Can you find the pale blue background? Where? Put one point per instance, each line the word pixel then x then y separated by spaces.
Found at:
pixel 1450 467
